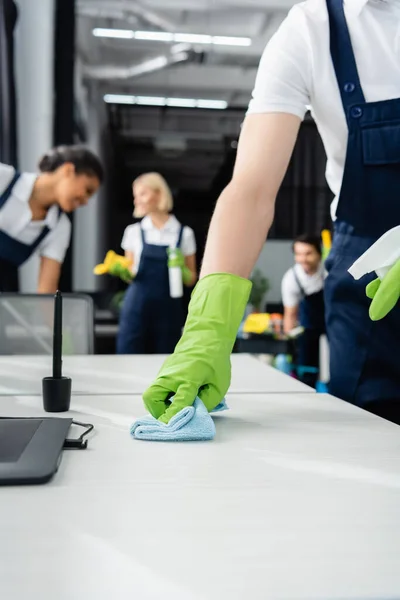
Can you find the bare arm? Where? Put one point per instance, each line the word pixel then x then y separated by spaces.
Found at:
pixel 129 255
pixel 245 209
pixel 190 262
pixel 49 275
pixel 290 318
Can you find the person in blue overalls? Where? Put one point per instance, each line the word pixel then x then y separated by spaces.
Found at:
pixel 151 320
pixel 340 58
pixel 33 212
pixel 303 302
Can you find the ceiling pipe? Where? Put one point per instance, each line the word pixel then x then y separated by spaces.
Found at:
pixel 111 72
pixel 117 9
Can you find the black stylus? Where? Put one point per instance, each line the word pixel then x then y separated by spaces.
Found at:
pixel 57 336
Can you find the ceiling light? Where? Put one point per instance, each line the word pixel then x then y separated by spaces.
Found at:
pixel 123 34
pixel 192 38
pixel 161 101
pixel 223 40
pixel 153 36
pixel 182 102
pixel 150 101
pixel 119 99
pixel 168 37
pixel 215 104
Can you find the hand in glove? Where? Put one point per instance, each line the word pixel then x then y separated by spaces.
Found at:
pixel 200 365
pixel 115 265
pixel 384 293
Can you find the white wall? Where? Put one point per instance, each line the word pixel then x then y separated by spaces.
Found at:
pixel 89 221
pixel 275 259
pixel 34 45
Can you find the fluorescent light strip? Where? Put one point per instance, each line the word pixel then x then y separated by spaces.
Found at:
pixel 165 36
pixel 160 101
pixel 149 101
pixel 153 36
pixel 119 99
pixel 122 34
pixel 182 102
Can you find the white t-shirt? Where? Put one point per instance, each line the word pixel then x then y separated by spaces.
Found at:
pixel 296 70
pixel 292 294
pixel 166 236
pixel 16 217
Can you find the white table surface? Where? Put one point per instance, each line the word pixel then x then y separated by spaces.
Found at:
pixel 298 497
pixel 102 374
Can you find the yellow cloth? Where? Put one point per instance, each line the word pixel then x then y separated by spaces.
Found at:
pixel 256 323
pixel 111 259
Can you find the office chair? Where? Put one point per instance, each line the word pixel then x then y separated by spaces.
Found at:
pixel 26 324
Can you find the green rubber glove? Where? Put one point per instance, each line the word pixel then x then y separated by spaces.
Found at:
pixel 384 294
pixel 200 365
pixel 176 259
pixel 118 270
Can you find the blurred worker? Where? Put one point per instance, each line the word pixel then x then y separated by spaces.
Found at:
pixel 32 212
pixel 339 57
pixel 151 320
pixel 303 301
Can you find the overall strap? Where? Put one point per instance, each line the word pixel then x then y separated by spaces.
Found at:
pixel 302 290
pixel 142 234
pixel 4 196
pixel 343 58
pixel 45 231
pixel 178 245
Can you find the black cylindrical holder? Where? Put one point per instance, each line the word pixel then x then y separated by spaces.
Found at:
pixel 56 394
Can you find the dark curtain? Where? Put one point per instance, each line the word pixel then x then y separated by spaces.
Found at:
pixel 64 58
pixel 8 119
pixel 303 203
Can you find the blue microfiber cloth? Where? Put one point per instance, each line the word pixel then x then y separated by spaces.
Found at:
pixel 192 423
pixel 221 407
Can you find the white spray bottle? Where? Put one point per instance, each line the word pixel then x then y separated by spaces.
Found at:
pixel 175 276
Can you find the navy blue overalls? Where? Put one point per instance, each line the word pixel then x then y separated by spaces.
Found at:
pixel 312 318
pixel 365 355
pixel 151 321
pixel 14 253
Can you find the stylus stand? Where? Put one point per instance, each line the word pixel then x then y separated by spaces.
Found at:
pixel 56 394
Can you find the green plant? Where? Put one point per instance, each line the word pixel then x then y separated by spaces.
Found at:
pixel 260 287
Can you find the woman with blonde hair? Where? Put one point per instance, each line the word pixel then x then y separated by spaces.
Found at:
pixel 151 320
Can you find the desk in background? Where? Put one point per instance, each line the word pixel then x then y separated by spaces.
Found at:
pixel 130 374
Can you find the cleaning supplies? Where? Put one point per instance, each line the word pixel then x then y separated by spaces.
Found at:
pixel 175 273
pixel 256 323
pixel 116 265
pixel 326 243
pixel 200 365
pixel 383 257
pixel 191 423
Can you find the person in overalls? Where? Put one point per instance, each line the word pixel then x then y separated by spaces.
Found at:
pixel 339 57
pixel 33 211
pixel 303 304
pixel 151 320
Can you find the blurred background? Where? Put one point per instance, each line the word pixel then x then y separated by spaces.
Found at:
pixel 149 85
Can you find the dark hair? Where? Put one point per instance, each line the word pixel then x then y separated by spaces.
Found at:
pixel 83 160
pixel 311 240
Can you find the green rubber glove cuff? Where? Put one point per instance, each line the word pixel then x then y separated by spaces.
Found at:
pixel 220 299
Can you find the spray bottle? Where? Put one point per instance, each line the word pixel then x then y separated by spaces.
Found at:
pixel 175 274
